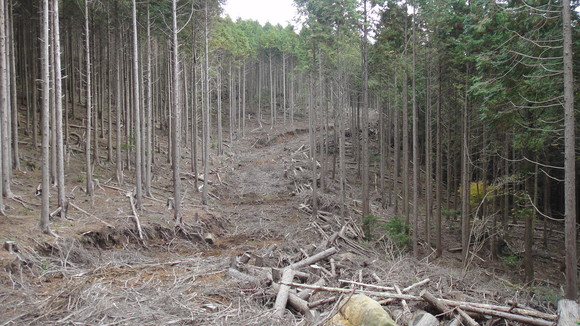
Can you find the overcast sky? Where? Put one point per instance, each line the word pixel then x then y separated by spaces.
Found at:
pixel 275 11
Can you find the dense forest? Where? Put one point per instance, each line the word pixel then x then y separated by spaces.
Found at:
pixel 451 109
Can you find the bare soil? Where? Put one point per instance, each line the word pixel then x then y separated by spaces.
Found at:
pixel 98 272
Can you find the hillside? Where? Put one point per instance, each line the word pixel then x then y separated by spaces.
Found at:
pixel 210 270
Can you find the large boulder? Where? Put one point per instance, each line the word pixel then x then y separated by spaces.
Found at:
pixel 360 310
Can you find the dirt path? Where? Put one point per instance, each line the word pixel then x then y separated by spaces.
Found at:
pixel 103 275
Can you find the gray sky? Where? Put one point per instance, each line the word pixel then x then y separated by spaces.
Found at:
pixel 275 11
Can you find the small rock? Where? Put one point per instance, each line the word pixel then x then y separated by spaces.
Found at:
pixel 209 238
pixel 11 247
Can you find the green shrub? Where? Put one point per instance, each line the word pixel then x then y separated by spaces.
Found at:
pixel 368 222
pixel 399 232
pixel 512 261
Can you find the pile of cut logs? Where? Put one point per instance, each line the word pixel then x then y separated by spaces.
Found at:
pixel 291 289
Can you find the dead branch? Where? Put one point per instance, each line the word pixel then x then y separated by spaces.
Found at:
pixel 341 290
pixel 372 286
pixel 135 215
pixel 313 259
pixel 91 215
pixel 506 315
pixel 282 298
pixel 297 303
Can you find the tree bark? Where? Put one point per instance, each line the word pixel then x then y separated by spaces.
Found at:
pixel 5 109
pixel 415 143
pixel 137 113
pixel 438 170
pixel 206 136
pixel 13 92
pixel 45 212
pixel 465 193
pixel 365 131
pixel 149 107
pixel 58 112
pixel 88 164
pixel 176 130
pixel 118 102
pixel 569 158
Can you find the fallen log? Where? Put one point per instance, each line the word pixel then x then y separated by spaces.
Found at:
pixel 506 315
pixel 440 306
pixel 517 314
pixel 569 312
pixel 321 302
pixel 468 320
pixel 341 290
pixel 444 309
pixel 308 292
pixel 313 259
pixel 297 303
pixel 282 297
pixel 512 310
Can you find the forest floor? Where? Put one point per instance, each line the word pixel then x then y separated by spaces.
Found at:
pixel 209 270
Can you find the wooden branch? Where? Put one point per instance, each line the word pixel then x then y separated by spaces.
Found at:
pixel 297 303
pixel 438 304
pixel 308 292
pixel 91 215
pixel 341 290
pixel 405 290
pixel 372 286
pixel 412 286
pixel 57 211
pixel 313 259
pixel 505 315
pixel 282 297
pixel 321 302
pixel 517 314
pixel 519 311
pixel 470 321
pixel 403 302
pixel 135 215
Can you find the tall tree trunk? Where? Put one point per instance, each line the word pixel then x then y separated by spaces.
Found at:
pixel 284 86
pixel 3 100
pixel 569 158
pixel 205 193
pixel 528 260
pixel 149 107
pixel 176 129
pixel 428 154
pixel 45 69
pixel 118 103
pixel 312 133
pixel 58 109
pixel 272 100
pixel 5 108
pixel 194 114
pixel 137 113
pixel 465 194
pixel 438 168
pixel 415 143
pixel 396 145
pixel 109 91
pixel 243 107
pixel 89 185
pixel 405 172
pixel 13 92
pixel 365 131
pixel 219 112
